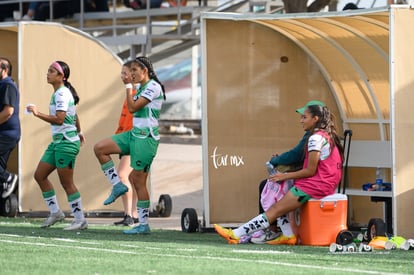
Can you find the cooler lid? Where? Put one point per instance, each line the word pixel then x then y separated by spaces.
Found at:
pixel 333 197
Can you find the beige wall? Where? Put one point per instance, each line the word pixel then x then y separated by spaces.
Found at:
pixel 251 101
pixel 403 98
pixel 95 73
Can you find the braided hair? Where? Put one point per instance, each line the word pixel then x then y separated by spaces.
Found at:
pixel 66 74
pixel 144 62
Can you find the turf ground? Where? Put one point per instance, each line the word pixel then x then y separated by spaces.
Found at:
pixel 103 249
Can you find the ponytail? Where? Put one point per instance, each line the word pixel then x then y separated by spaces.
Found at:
pixel 65 70
pixel 144 62
pixel 72 90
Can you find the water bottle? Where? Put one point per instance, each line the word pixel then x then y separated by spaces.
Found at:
pixel 270 168
pixel 379 179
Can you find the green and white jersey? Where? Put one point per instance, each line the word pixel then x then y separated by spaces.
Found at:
pixel 145 121
pixel 62 100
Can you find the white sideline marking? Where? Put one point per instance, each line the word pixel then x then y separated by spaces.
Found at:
pixel 268 262
pixel 158 248
pixel 11 235
pixel 261 251
pixel 65 240
pixel 72 241
pixel 56 239
pixel 67 246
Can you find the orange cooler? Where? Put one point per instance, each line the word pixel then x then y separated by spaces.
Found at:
pixel 318 222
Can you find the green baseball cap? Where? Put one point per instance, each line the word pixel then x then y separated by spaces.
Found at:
pixel 310 103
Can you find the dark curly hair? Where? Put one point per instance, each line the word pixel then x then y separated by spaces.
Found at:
pixel 326 123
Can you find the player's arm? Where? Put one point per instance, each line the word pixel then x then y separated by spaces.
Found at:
pixel 57 119
pixel 294 155
pixel 135 104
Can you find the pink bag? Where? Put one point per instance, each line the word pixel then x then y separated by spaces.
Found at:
pixel 274 192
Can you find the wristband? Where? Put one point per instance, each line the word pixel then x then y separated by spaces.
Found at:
pixel 129 86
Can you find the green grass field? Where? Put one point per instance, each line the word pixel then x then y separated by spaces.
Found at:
pixel 103 249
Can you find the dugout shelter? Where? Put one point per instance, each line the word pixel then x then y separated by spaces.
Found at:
pixel 258 69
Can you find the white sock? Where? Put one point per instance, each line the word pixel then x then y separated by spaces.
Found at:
pixel 258 223
pixel 143 214
pixel 143 211
pixel 76 208
pixel 52 204
pixel 110 172
pixel 284 224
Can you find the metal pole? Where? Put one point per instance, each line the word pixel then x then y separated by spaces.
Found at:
pixel 51 10
pixel 82 15
pixel 114 18
pixel 148 45
pixel 194 81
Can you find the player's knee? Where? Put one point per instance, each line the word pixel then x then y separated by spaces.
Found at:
pixel 98 148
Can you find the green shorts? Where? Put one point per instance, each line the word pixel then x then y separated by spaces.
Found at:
pixel 62 154
pixel 141 150
pixel 302 196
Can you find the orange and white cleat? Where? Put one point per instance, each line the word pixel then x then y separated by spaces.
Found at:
pixel 291 240
pixel 227 234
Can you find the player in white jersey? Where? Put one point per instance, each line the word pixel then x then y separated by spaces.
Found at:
pixel 141 142
pixel 61 153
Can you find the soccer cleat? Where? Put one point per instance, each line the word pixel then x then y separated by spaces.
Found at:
pixel 282 239
pixel 9 186
pixel 245 239
pixel 118 190
pixel 258 234
pixel 53 218
pixel 135 220
pixel 407 245
pixel 139 229
pixel 127 220
pixel 264 237
pixel 77 225
pixel 227 234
